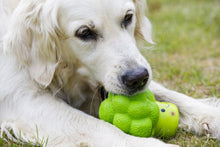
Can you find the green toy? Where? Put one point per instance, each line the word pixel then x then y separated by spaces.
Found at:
pixel 167 124
pixel 140 115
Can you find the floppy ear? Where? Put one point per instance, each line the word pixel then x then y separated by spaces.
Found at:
pixel 33 39
pixel 143 28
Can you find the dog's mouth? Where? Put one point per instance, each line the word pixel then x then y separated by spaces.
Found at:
pixel 102 93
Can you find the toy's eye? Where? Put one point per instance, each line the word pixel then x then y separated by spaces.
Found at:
pixel 163 110
pixel 127 19
pixel 86 34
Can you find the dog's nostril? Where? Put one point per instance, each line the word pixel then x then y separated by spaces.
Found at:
pixel 145 80
pixel 135 79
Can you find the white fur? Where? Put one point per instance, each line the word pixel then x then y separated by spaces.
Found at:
pixel 49 76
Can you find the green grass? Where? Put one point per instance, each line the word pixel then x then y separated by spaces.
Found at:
pixel 10 143
pixel 186 57
pixel 5 142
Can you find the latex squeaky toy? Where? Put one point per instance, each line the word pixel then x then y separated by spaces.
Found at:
pixel 140 115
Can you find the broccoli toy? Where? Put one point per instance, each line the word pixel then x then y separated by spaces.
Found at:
pixel 140 115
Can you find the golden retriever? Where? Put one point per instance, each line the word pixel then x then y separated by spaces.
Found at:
pixel 58 60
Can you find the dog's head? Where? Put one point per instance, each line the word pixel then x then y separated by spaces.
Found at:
pixel 99 35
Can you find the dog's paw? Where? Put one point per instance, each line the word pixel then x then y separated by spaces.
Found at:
pixel 202 119
pixel 211 124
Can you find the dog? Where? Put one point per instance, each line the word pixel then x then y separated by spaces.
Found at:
pixel 60 58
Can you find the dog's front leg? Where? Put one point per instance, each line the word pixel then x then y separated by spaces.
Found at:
pixel 63 125
pixel 195 115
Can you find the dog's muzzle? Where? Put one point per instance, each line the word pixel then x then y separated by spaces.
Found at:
pixel 135 80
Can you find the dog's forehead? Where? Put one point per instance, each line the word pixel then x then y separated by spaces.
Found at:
pixel 93 9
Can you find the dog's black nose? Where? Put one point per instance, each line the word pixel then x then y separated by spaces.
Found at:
pixel 135 79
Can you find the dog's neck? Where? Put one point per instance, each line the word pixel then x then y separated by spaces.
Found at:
pixel 75 89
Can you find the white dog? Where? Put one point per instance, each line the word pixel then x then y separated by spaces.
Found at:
pixel 57 59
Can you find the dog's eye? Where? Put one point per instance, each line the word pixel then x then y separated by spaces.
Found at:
pixel 127 19
pixel 86 34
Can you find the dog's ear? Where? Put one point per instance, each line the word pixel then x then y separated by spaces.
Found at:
pixel 143 28
pixel 33 39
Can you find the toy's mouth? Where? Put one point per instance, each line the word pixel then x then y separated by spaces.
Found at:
pixel 102 93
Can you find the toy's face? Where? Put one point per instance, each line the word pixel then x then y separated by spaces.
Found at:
pixel 167 110
pixel 168 121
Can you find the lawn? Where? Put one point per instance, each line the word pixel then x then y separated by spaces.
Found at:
pixel 186 57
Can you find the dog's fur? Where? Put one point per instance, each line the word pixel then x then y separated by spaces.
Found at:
pixel 48 75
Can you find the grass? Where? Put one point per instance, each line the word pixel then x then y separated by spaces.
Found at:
pixel 5 142
pixel 186 57
pixel 10 143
